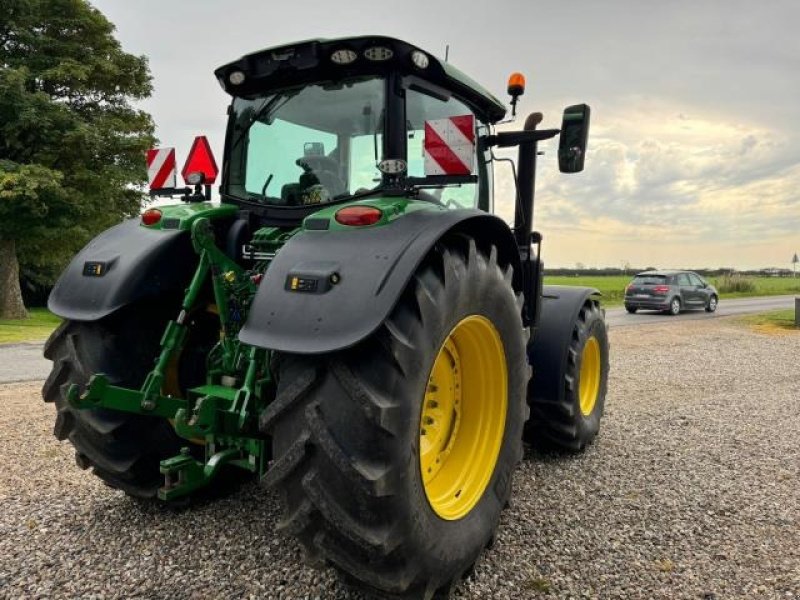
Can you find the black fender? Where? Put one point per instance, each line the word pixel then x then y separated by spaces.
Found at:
pixel 120 266
pixel 347 282
pixel 547 350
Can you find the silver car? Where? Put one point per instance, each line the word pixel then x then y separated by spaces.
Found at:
pixel 670 292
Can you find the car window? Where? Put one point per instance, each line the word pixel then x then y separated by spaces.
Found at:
pixel 683 279
pixel 649 280
pixel 695 279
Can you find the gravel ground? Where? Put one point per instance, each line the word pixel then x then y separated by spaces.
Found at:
pixel 690 492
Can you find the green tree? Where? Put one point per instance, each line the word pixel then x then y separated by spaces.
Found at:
pixel 71 144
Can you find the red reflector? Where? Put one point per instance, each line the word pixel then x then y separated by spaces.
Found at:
pixel 201 160
pixel 358 216
pixel 151 216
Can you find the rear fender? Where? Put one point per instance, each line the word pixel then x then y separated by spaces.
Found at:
pixel 329 290
pixel 547 350
pixel 120 266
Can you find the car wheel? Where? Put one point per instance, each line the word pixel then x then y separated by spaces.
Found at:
pixel 712 304
pixel 674 306
pixel 631 309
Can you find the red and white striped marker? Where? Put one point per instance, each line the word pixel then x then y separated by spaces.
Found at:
pixel 161 169
pixel 449 146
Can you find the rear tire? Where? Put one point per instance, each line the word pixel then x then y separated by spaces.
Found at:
pixel 631 309
pixel 122 449
pixel 674 307
pixel 571 422
pixel 347 433
pixel 712 304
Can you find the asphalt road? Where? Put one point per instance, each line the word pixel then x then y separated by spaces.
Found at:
pixel 617 317
pixel 24 362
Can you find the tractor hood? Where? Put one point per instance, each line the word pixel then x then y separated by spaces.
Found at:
pixel 321 60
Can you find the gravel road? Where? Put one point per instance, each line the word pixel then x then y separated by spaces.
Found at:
pixel 690 492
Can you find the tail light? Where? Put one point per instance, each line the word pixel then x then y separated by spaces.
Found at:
pixel 151 216
pixel 661 289
pixel 628 287
pixel 358 216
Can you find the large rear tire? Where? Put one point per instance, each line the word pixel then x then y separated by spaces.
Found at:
pixel 122 449
pixel 571 422
pixel 394 458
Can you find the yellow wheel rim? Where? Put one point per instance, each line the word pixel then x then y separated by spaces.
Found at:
pixel 589 385
pixel 463 417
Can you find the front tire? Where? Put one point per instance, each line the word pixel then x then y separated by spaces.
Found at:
pixel 712 304
pixel 381 474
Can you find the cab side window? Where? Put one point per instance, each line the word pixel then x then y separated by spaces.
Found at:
pixel 420 108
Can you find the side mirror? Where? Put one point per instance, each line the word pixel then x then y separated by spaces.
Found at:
pixel 574 134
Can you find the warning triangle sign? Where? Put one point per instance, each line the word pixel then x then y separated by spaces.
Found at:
pixel 201 160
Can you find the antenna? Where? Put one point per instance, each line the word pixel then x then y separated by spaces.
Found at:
pixel 446 52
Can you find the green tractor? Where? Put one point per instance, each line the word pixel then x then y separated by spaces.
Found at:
pixel 350 324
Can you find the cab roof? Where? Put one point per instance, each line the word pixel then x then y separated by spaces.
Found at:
pixel 310 61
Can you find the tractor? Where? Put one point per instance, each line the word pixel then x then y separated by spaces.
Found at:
pixel 350 324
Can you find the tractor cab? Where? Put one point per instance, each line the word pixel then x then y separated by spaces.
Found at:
pixel 324 122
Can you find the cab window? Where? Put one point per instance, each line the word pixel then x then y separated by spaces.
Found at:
pixel 421 107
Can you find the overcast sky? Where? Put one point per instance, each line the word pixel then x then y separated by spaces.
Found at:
pixel 694 151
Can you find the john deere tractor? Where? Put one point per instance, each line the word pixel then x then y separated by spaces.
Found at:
pixel 350 324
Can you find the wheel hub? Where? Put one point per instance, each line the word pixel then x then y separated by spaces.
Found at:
pixel 441 413
pixel 462 420
pixel 591 370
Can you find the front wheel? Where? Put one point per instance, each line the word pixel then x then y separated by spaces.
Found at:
pixel 394 458
pixel 712 304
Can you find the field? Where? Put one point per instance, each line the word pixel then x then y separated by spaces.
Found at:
pixel 613 286
pixel 36 328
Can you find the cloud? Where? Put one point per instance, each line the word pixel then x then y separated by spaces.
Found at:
pixel 664 174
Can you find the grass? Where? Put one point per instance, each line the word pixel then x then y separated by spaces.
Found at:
pixel 37 327
pixel 613 286
pixel 774 321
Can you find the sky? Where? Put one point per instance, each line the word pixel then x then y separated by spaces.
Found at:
pixel 694 147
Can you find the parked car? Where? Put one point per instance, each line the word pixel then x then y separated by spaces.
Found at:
pixel 670 291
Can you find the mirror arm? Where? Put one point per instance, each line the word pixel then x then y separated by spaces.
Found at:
pixel 506 139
